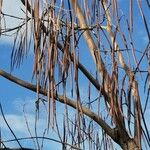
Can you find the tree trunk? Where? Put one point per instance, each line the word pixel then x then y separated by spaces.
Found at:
pixel 129 145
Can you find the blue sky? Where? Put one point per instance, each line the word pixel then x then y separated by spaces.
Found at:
pixel 14 97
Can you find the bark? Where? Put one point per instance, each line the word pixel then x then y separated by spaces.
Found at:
pixel 130 145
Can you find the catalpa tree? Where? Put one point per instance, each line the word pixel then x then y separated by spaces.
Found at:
pixel 92 57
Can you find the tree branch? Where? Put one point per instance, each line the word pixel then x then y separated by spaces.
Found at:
pixel 105 78
pixel 60 98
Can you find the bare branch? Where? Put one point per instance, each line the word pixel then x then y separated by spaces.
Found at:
pixel 60 98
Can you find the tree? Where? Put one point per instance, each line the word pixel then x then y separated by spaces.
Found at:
pixel 58 29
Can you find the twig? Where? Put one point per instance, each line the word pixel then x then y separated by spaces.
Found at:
pixel 9 126
pixel 46 138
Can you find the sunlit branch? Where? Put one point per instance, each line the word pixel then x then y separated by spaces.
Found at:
pixel 80 66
